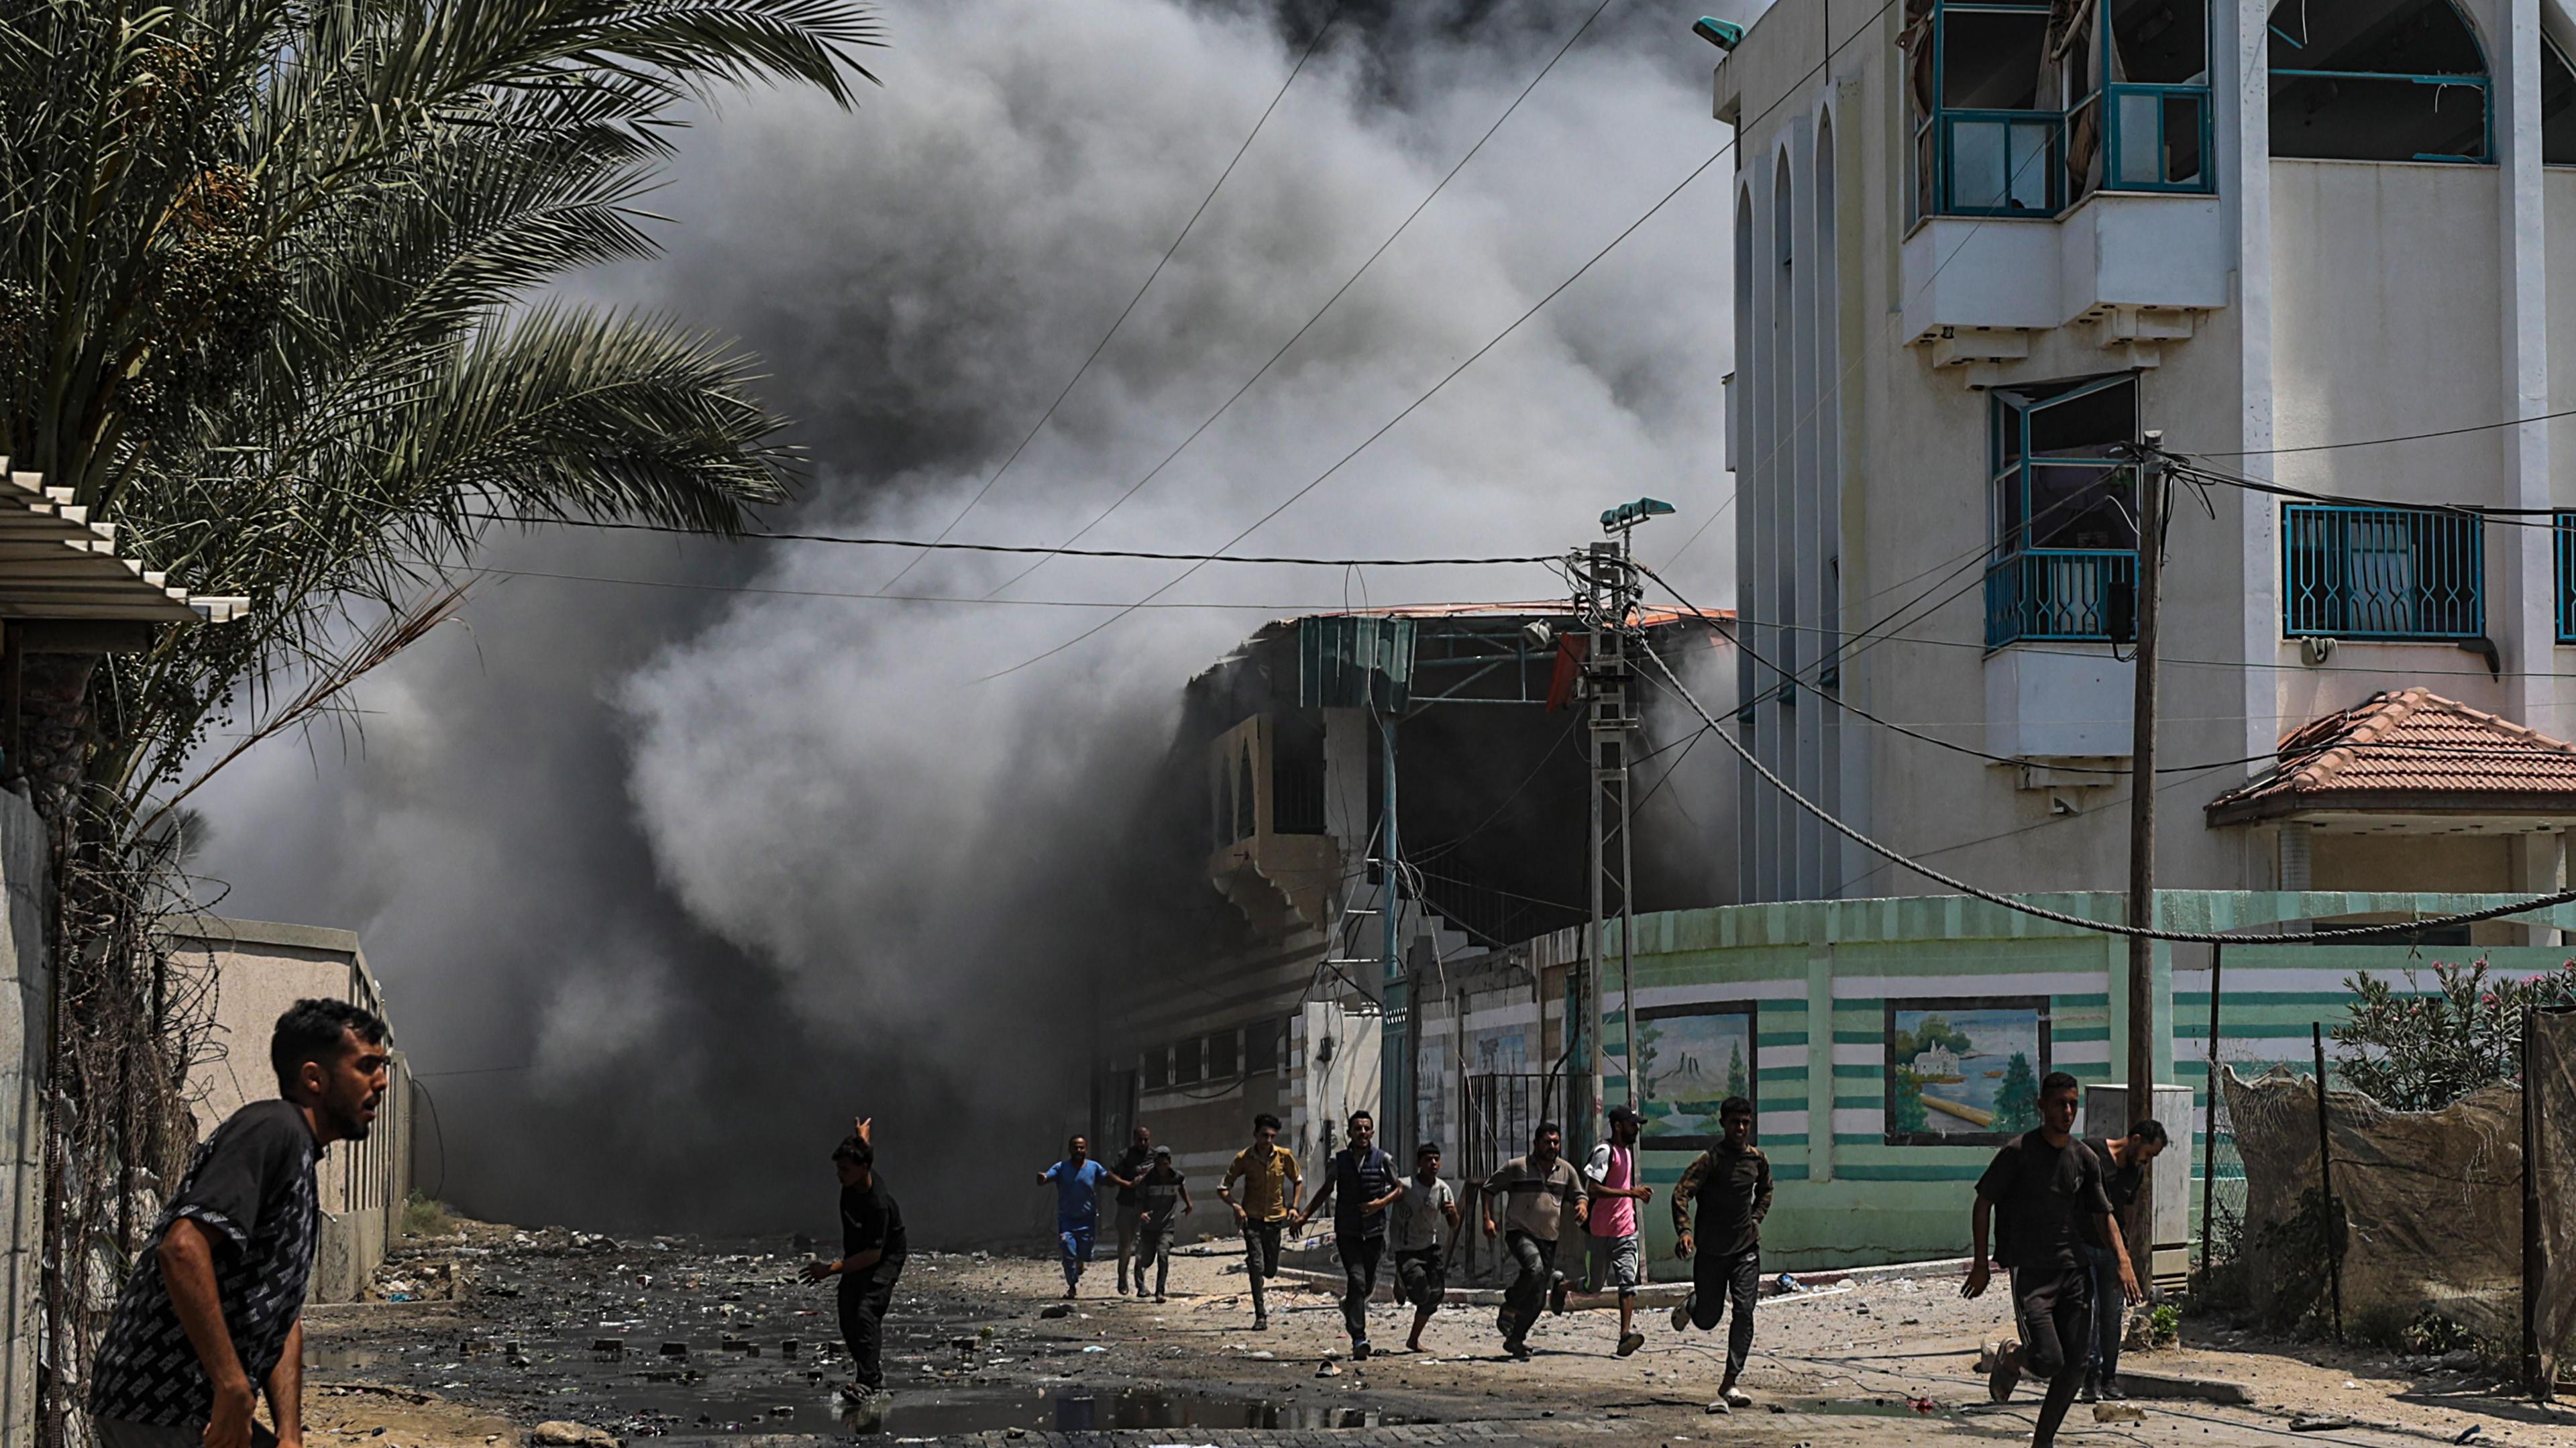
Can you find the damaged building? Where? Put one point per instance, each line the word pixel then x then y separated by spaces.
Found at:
pixel 1456 732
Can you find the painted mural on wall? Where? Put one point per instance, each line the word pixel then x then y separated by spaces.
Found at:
pixel 1690 1058
pixel 1964 1071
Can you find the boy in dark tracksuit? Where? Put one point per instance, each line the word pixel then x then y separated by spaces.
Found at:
pixel 1731 1182
pixel 2048 1189
pixel 872 1253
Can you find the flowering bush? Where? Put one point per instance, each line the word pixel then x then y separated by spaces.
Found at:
pixel 2422 1050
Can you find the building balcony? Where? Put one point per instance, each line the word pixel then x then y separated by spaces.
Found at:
pixel 2071 595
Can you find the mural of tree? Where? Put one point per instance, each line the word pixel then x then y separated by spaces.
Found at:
pixel 1643 1036
pixel 1735 1072
pixel 1931 1031
pixel 2017 1102
pixel 1910 1115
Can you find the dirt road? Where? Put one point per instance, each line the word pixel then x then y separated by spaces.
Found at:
pixel 692 1343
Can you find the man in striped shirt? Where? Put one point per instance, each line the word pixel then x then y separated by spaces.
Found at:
pixel 1534 1190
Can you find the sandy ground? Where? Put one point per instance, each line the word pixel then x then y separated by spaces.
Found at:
pixel 971 1351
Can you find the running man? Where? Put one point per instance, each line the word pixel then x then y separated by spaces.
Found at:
pixel 2125 1164
pixel 1077 1181
pixel 1162 1199
pixel 1362 1181
pixel 1722 1239
pixel 1420 1229
pixel 872 1255
pixel 212 1313
pixel 1535 1190
pixel 2047 1187
pixel 1270 1180
pixel 1131 1165
pixel 1610 1175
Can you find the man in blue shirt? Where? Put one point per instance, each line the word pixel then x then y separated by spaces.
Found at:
pixel 1077 1181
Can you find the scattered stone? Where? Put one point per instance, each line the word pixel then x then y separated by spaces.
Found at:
pixel 1327 1369
pixel 562 1434
pixel 2319 1424
pixel 1056 1309
pixel 675 1349
pixel 2118 1413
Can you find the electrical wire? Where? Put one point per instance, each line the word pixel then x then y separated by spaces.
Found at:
pixel 1277 610
pixel 1452 375
pixel 1352 280
pixel 869 541
pixel 2266 452
pixel 1991 897
pixel 1168 253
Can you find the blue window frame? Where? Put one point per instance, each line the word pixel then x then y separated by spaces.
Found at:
pixel 2013 117
pixel 2562 548
pixel 2382 573
pixel 2379 80
pixel 2063 509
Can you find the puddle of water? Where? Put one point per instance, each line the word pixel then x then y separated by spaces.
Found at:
pixel 937 1412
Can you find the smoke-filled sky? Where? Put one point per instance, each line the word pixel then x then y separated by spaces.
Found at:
pixel 685 870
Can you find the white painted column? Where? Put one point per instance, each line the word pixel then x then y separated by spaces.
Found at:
pixel 2240 88
pixel 2522 614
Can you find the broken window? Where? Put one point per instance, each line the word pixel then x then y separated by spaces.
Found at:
pixel 2020 106
pixel 2064 509
pixel 2377 80
pixel 2557 106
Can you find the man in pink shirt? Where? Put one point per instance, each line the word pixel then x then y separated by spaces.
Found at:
pixel 1611 1173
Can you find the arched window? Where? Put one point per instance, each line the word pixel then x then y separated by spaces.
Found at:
pixel 2378 80
pixel 2557 106
pixel 1245 823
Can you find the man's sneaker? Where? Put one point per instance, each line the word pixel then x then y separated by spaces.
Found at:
pixel 1158 1297
pixel 2111 1391
pixel 1682 1313
pixel 1556 1288
pixel 2091 1392
pixel 1518 1351
pixel 1261 1322
pixel 1360 1350
pixel 2005 1372
pixel 1734 1397
pixel 1631 1343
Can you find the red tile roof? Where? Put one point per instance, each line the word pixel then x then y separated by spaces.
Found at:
pixel 2410 750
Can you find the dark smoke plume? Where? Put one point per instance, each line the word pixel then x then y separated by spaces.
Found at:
pixel 686 874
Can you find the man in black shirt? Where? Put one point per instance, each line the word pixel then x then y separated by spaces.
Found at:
pixel 2047 1187
pixel 1362 1181
pixel 872 1253
pixel 2125 1164
pixel 217 1302
pixel 1126 1171
pixel 1722 1239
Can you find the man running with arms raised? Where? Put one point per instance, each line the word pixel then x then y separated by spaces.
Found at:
pixel 2047 1188
pixel 1722 1240
pixel 1270 1180
pixel 214 1309
pixel 873 1248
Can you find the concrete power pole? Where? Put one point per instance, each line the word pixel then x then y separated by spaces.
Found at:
pixel 1611 594
pixel 2142 836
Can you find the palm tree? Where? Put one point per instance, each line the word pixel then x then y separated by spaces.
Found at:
pixel 271 300
pixel 268 302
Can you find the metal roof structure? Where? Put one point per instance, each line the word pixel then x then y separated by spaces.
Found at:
pixel 57 564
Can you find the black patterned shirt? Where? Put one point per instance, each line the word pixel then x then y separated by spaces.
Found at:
pixel 250 1189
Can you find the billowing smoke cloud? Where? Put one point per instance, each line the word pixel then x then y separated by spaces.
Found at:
pixel 687 873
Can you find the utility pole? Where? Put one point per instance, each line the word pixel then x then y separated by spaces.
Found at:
pixel 1609 602
pixel 1395 1035
pixel 2142 838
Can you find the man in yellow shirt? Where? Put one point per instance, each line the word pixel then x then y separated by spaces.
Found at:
pixel 1270 1180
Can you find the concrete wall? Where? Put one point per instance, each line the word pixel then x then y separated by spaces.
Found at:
pixel 26 1011
pixel 1819 979
pixel 261 969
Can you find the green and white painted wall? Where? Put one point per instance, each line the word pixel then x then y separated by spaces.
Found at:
pixel 1854 1008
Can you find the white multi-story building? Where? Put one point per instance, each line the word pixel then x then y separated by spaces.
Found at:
pixel 1981 247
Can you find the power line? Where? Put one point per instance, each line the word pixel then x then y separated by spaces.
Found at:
pixel 1352 280
pixel 1474 356
pixel 2192 937
pixel 869 541
pixel 2265 452
pixel 1280 610
pixel 1168 253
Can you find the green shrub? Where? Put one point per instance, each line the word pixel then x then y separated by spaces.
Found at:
pixel 424 1217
